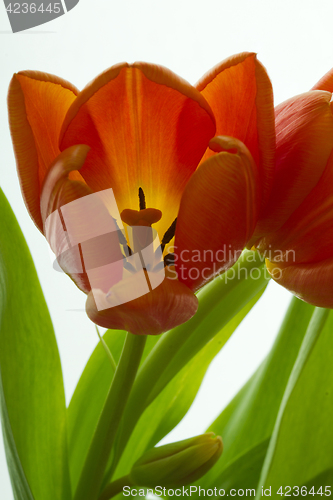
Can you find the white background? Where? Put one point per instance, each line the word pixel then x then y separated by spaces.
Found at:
pixel 293 40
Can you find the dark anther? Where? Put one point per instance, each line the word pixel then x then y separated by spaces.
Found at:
pixel 142 199
pixel 169 234
pixel 169 259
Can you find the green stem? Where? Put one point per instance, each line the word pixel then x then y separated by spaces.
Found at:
pixel 93 470
pixel 107 350
pixel 219 302
pixel 116 487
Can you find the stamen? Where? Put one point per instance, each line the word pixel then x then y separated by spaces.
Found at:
pixel 122 239
pixel 169 234
pixel 169 259
pixel 142 199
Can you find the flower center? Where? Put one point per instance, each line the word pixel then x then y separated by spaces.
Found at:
pixel 146 217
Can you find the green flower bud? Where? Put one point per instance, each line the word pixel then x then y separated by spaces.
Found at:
pixel 177 464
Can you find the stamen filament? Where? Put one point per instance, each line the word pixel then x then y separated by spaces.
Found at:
pixel 169 234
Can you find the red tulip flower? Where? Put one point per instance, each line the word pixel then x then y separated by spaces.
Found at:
pixel 296 232
pixel 196 163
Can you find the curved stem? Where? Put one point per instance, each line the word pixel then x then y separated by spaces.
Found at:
pixel 107 350
pixel 116 487
pixel 93 470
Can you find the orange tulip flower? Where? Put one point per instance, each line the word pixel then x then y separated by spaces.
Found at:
pixel 200 158
pixel 296 232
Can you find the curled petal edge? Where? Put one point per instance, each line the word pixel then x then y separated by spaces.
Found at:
pixel 167 306
pixel 36 102
pixel 218 213
pixel 312 283
pixel 69 160
pixel 250 118
pixel 57 191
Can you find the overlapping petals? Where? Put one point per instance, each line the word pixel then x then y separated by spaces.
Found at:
pixel 68 225
pixel 140 127
pixel 229 190
pixel 146 127
pixel 241 96
pixel 170 304
pixel 214 224
pixel 37 105
pixel 297 229
pixel 304 141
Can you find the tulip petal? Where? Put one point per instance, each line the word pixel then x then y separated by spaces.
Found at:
pixel 146 128
pixel 218 213
pixel 312 283
pixel 163 308
pixel 308 234
pixel 304 126
pixel 325 83
pixel 240 93
pixel 53 196
pixel 78 226
pixel 37 104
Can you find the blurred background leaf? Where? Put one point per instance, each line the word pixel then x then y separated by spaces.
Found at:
pixel 220 301
pixel 247 423
pixel 172 404
pixel 32 393
pixel 159 418
pixel 301 449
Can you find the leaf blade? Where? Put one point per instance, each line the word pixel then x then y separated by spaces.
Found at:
pixel 172 404
pixel 301 446
pixel 33 394
pixel 249 419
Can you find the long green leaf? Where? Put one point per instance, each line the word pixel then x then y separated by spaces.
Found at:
pixel 168 410
pixel 175 400
pixel 21 488
pixel 219 302
pixel 300 451
pixel 32 392
pixel 243 472
pixel 247 423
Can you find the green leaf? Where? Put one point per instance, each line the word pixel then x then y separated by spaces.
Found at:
pixel 219 302
pixel 243 472
pixel 32 393
pixel 97 376
pixel 247 422
pixel 20 485
pixel 93 388
pixel 174 401
pixel 300 450
pixel 325 478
